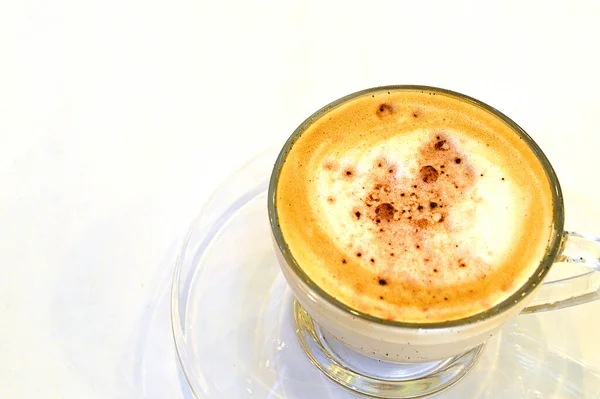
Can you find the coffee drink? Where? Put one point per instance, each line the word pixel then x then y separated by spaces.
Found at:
pixel 414 205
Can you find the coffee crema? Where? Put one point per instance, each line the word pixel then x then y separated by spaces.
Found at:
pixel 414 206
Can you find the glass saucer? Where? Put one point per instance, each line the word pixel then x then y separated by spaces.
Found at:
pixel 232 318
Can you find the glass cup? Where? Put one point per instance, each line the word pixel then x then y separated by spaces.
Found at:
pixel 391 359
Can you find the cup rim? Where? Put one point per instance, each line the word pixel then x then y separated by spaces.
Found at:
pixel 534 281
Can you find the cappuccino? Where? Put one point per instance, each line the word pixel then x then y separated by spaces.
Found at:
pixel 415 206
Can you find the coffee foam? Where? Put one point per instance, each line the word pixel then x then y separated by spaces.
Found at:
pixel 414 207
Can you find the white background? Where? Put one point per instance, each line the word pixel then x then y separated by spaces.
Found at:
pixel 118 118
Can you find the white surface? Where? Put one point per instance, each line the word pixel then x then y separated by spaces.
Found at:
pixel 118 118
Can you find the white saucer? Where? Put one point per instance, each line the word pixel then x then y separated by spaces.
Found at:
pixel 231 313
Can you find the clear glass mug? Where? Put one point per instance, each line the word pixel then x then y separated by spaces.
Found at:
pixel 389 359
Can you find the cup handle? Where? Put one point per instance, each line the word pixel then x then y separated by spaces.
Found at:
pixel 576 289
